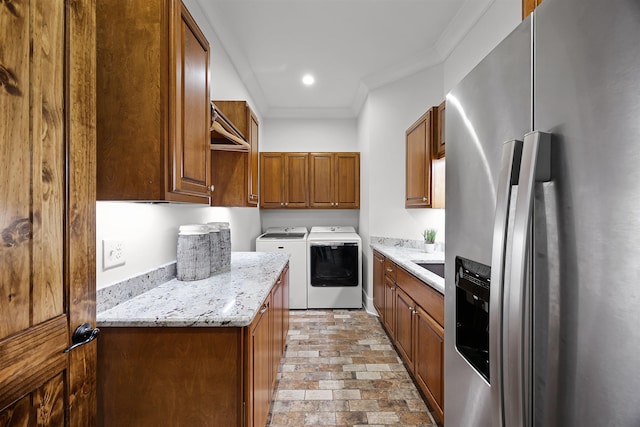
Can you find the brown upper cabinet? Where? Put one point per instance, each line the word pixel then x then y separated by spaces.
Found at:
pixel 439 144
pixel 528 6
pixel 153 112
pixel 334 181
pixel 284 180
pixel 425 161
pixel 234 174
pixel 418 162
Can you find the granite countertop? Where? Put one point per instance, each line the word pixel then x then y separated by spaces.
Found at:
pixel 231 299
pixel 404 257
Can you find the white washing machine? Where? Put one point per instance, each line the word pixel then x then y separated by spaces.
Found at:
pixel 293 241
pixel 334 260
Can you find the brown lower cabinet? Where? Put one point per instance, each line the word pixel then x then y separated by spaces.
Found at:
pixel 218 376
pixel 412 314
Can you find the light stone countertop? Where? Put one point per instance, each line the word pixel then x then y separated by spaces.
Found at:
pixel 230 299
pixel 404 257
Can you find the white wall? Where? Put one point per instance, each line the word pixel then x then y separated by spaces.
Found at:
pixel 384 119
pixel 496 23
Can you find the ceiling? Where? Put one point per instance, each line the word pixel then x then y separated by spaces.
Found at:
pixel 350 46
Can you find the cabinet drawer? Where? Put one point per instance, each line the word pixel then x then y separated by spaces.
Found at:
pixel 390 269
pixel 424 295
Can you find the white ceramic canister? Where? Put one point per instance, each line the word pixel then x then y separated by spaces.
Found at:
pixel 225 244
pixel 194 252
pixel 216 248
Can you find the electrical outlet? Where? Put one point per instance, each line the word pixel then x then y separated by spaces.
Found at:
pixel 112 253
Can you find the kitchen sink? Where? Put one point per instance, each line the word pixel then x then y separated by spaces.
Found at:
pixel 436 268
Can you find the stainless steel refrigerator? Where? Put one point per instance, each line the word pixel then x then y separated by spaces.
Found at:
pixel 542 299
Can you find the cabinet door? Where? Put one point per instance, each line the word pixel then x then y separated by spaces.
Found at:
pixel 189 147
pixel 418 163
pixel 276 331
pixel 253 158
pixel 378 284
pixel 272 180
pixel 389 305
pixel 321 186
pixel 405 308
pixel 296 180
pixel 439 144
pixel 347 180
pixel 260 360
pixel 429 359
pixel 285 307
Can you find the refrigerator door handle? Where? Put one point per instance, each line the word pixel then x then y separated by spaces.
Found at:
pixel 535 167
pixel 509 171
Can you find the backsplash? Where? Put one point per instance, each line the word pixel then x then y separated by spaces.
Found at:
pixel 401 243
pixel 110 296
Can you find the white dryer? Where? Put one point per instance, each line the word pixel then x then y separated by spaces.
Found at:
pixel 293 241
pixel 334 272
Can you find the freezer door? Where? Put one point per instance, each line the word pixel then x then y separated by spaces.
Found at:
pixel 587 272
pixel 490 106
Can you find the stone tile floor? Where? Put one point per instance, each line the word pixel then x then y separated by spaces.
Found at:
pixel 340 369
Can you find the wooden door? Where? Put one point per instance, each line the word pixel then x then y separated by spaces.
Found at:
pixel 47 211
pixel 418 163
pixel 378 283
pixel 189 108
pixel 404 326
pixel 429 359
pixel 285 307
pixel 321 180
pixel 277 311
pixel 296 172
pixel 347 180
pixel 271 180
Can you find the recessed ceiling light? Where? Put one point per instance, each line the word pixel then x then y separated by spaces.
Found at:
pixel 308 79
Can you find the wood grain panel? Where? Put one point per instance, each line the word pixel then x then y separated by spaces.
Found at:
pixel 404 326
pixel 47 180
pixel 272 180
pixel 418 163
pixel 170 377
pixel 229 177
pixel 15 177
pixel 378 283
pixel 18 414
pixel 191 118
pixel 424 295
pixel 31 357
pixel 321 180
pixel 49 401
pixel 347 180
pixel 429 360
pixel 80 238
pixel 132 99
pixel 296 180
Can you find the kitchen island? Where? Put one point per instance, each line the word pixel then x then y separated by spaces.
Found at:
pixel 202 353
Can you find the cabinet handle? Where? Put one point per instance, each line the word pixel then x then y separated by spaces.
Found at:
pixel 424 199
pixel 389 269
pixel 281 203
pixel 212 188
pixel 264 308
pixel 336 203
pixel 286 204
